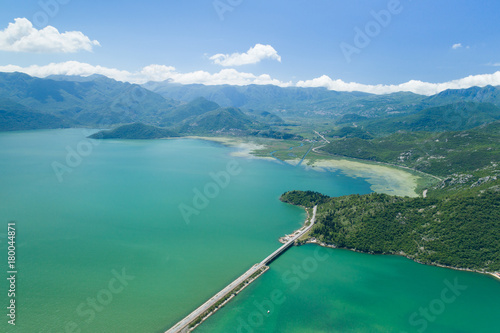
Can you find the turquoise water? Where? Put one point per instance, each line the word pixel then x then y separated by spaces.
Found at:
pixel 104 247
pixel 313 289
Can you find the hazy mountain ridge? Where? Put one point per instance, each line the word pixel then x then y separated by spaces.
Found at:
pixel 450 117
pixel 196 107
pixel 289 101
pixel 488 94
pixel 96 101
pixel 320 102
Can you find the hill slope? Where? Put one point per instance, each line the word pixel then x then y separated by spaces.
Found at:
pixel 456 225
pixel 439 154
pixel 290 102
pixel 488 94
pixel 27 120
pixel 450 117
pixel 94 101
pixel 194 108
pixel 220 121
pixel 460 231
pixel 136 131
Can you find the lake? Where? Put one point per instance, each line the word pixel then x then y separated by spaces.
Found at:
pixel 131 236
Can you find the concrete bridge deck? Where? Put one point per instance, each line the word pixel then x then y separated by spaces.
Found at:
pixel 184 324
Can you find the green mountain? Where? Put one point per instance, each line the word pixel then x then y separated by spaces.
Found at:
pixel 451 117
pixel 136 131
pixel 350 118
pixel 17 117
pixel 373 106
pixel 269 111
pixel 488 94
pixel 266 117
pixel 194 108
pixel 291 102
pixel 439 154
pixel 221 121
pixel 94 101
pixel 27 120
pixel 350 132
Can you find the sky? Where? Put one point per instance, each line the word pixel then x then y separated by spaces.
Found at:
pixel 377 46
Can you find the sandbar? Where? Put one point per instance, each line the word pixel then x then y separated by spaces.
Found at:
pixel 245 149
pixel 383 179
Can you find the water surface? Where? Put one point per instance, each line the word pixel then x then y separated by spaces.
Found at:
pixel 114 210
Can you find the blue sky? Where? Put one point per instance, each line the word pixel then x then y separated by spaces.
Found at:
pixel 430 41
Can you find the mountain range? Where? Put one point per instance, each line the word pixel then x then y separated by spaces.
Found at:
pixel 96 101
pixel 453 136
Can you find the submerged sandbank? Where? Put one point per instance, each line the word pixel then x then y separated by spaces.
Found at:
pixel 382 178
pixel 245 149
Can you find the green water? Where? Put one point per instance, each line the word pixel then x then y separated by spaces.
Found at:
pixel 313 289
pixel 115 212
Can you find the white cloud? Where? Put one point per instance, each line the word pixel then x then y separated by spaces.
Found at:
pixel 148 73
pixel 417 87
pixel 21 36
pixel 252 56
pixel 459 46
pixel 233 77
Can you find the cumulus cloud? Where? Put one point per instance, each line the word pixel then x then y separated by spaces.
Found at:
pixel 21 36
pixel 254 55
pixel 417 87
pixel 233 77
pixel 459 46
pixel 148 73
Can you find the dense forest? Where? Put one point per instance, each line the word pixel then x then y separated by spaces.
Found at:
pixel 306 199
pixel 458 231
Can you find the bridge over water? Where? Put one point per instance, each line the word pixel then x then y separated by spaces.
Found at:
pixel 184 324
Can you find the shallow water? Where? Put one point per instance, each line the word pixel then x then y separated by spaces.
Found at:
pixel 314 289
pixel 105 247
pixel 114 211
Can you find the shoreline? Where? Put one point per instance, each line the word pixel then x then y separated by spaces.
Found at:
pixel 383 179
pixel 387 179
pixel 215 303
pixel 332 246
pixel 244 147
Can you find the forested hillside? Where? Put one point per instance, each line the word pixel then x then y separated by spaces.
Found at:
pixel 439 154
pixel 458 231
